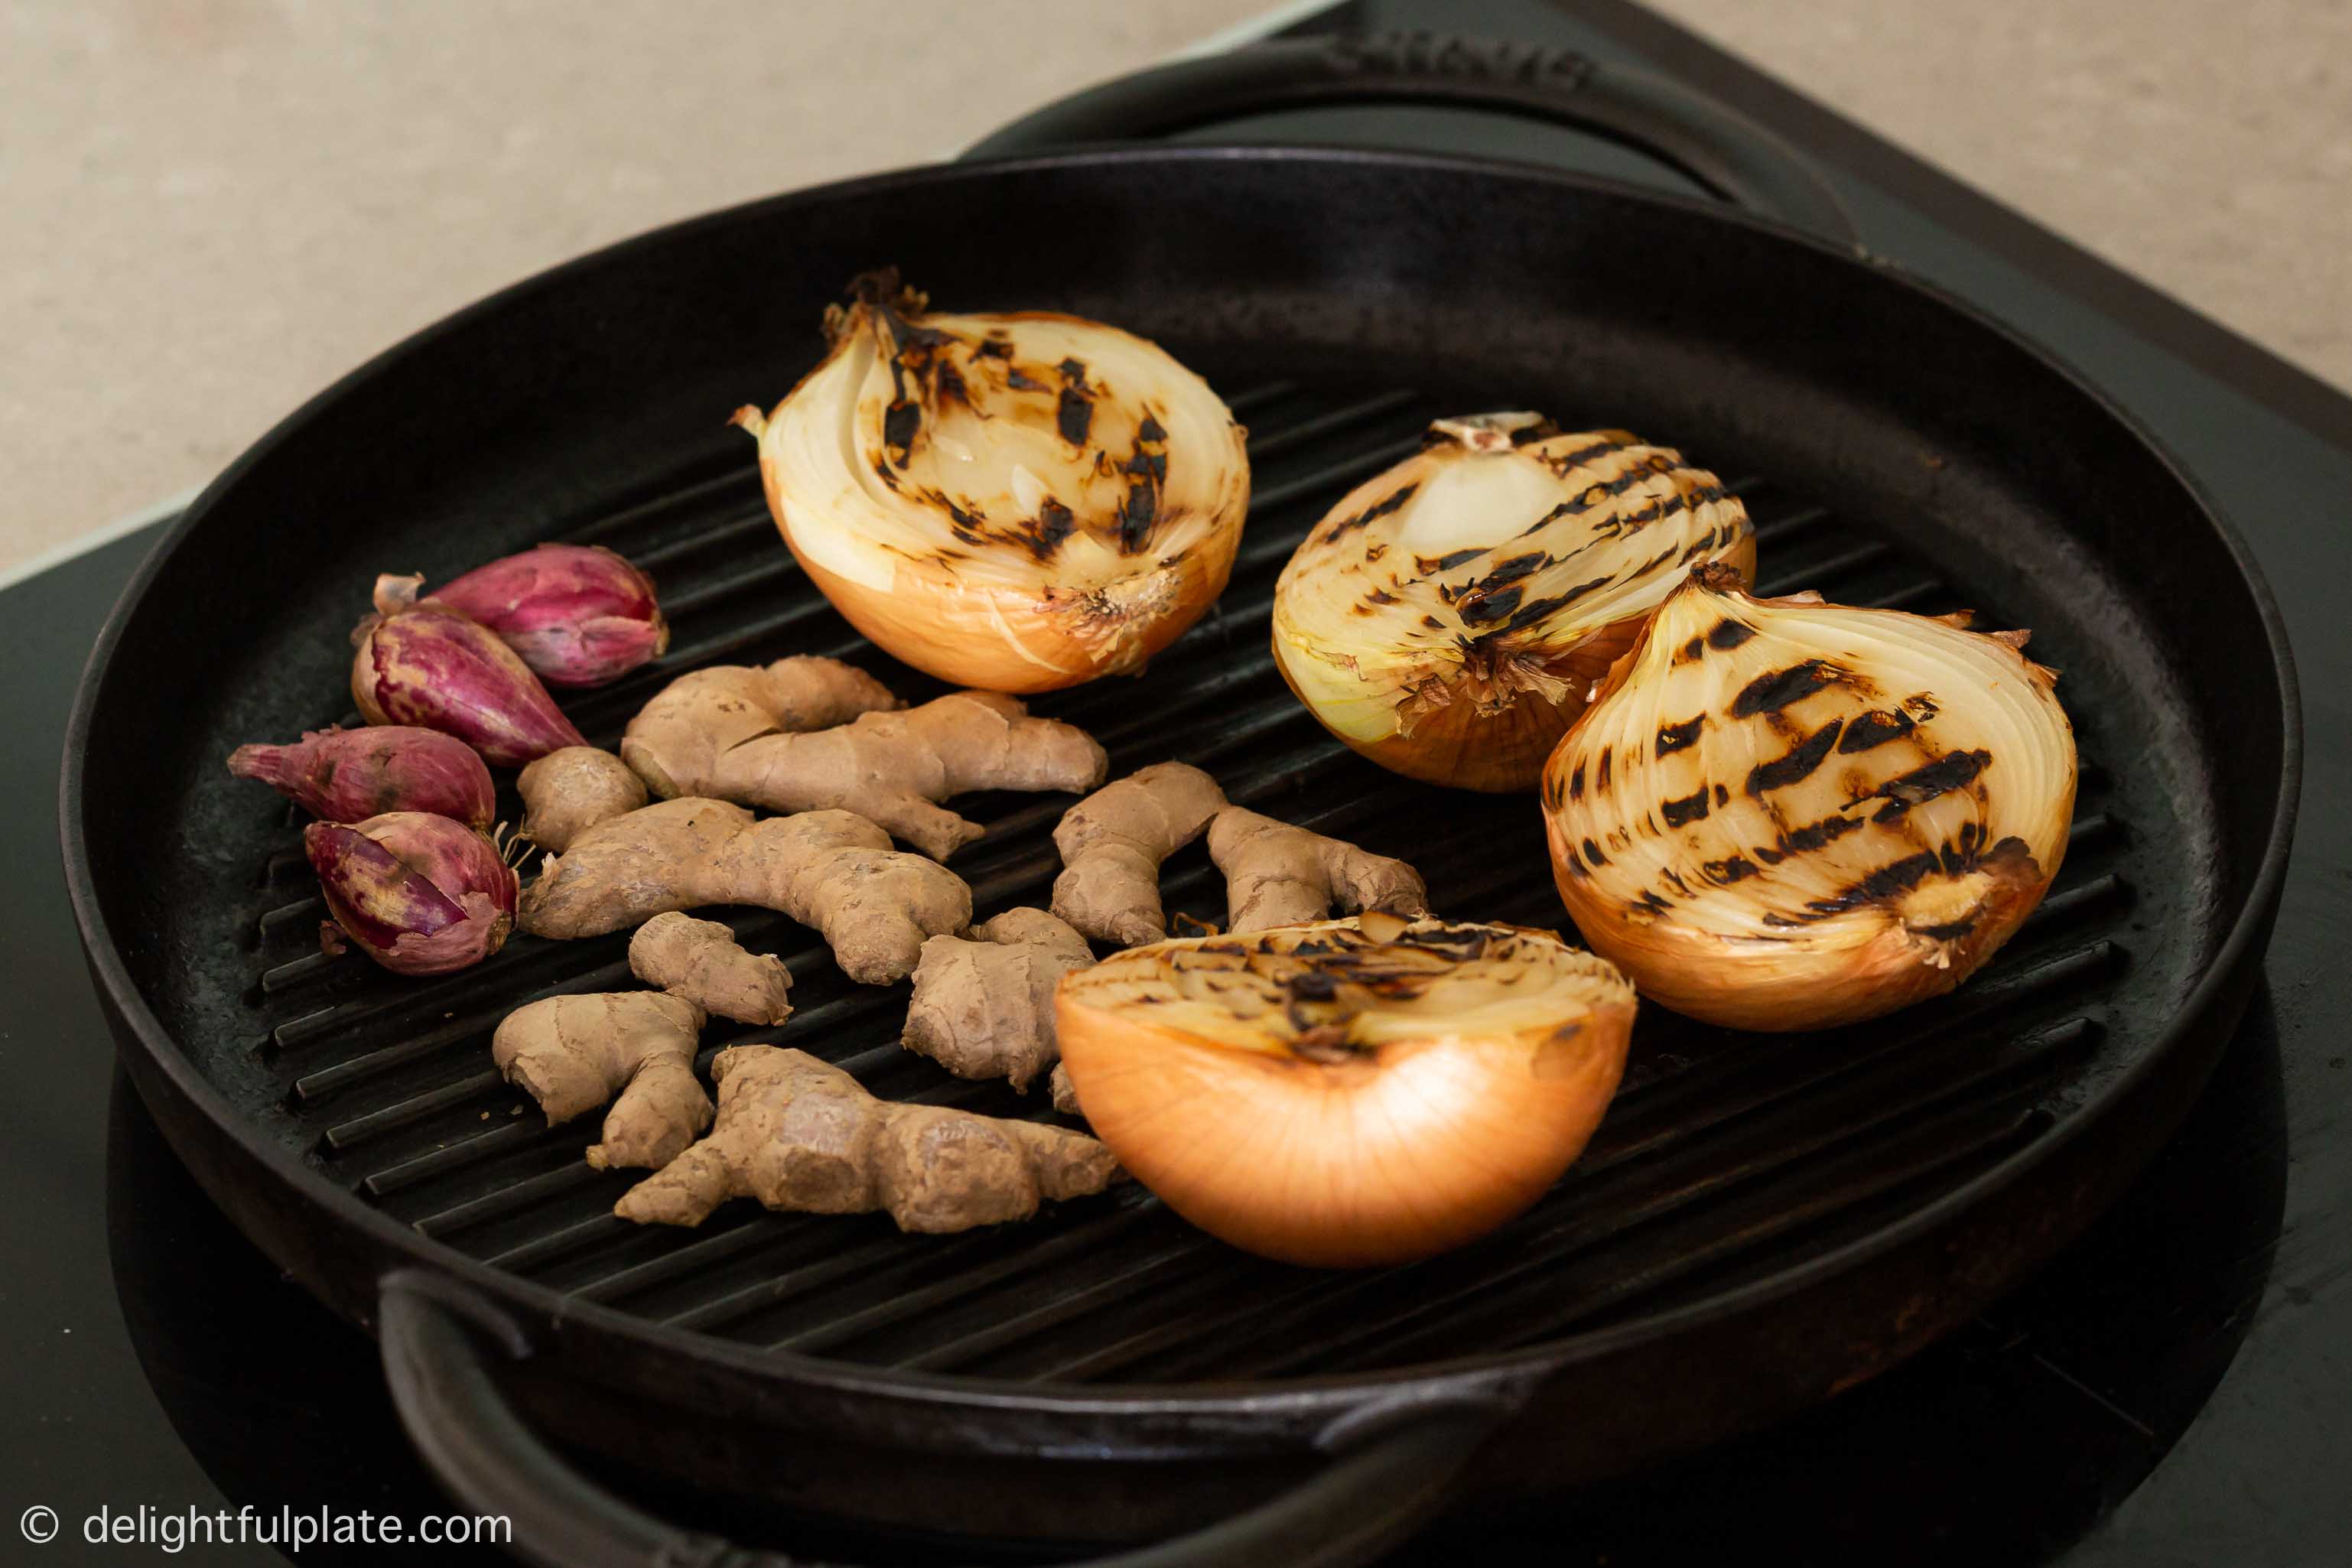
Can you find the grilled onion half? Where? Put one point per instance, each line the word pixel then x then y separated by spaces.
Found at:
pixel 1450 617
pixel 1788 814
pixel 1347 1092
pixel 1016 502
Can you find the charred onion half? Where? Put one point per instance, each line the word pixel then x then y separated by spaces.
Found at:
pixel 1018 502
pixel 1450 616
pixel 1788 814
pixel 1347 1092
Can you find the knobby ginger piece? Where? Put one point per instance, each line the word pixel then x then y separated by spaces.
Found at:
pixel 892 767
pixel 832 871
pixel 571 1054
pixel 983 1005
pixel 701 962
pixel 1113 841
pixel 676 741
pixel 569 791
pixel 1277 874
pixel 799 1134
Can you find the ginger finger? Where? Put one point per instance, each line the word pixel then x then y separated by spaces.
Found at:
pixel 1113 841
pixel 701 962
pixel 1065 1093
pixel 984 1007
pixel 891 767
pixel 1277 874
pixel 799 1134
pixel 571 1054
pixel 832 871
pixel 570 790
pixel 676 740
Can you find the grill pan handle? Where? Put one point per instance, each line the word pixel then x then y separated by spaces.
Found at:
pixel 1725 151
pixel 1391 1470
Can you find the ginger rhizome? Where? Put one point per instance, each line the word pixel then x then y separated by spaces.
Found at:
pixel 1113 841
pixel 701 962
pixel 983 1005
pixel 571 1054
pixel 892 767
pixel 802 1135
pixel 677 741
pixel 832 871
pixel 568 791
pixel 1277 874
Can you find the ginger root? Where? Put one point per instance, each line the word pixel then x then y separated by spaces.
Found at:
pixel 893 767
pixel 984 1007
pixel 1113 841
pixel 831 870
pixel 700 962
pixel 1277 874
pixel 800 1134
pixel 677 741
pixel 571 1054
pixel 570 790
pixel 1064 1092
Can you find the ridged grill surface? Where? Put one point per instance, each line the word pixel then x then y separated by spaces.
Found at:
pixel 1725 1156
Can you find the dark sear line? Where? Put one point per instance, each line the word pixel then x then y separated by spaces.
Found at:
pixel 1772 692
pixel 1723 873
pixel 1874 728
pixel 1728 635
pixel 1075 416
pixel 1922 785
pixel 1379 509
pixel 900 421
pixel 1673 738
pixel 1798 763
pixel 1691 808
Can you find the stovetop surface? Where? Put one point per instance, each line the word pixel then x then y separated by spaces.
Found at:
pixel 2173 1389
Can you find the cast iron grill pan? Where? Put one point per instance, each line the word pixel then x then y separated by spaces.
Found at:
pixel 1722 1155
pixel 1760 1220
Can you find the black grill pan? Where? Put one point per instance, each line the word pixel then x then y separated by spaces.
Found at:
pixel 1761 1222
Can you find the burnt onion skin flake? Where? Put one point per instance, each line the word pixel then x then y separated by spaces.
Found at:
pixel 1017 501
pixel 1783 813
pixel 1449 618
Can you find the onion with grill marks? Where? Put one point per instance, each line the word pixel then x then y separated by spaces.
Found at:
pixel 1017 502
pixel 1347 1092
pixel 1788 814
pixel 1450 617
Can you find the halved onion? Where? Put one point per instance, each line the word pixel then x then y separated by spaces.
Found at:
pixel 1017 502
pixel 1788 814
pixel 1347 1092
pixel 1450 616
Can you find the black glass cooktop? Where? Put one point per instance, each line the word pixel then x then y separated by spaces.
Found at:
pixel 2175 1389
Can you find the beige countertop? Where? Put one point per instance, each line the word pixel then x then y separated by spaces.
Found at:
pixel 213 207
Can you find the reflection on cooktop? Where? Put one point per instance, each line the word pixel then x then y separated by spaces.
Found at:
pixel 2003 1443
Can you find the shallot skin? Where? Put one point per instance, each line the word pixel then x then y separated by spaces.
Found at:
pixel 348 776
pixel 428 665
pixel 420 894
pixel 578 613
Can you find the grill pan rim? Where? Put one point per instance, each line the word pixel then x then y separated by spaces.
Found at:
pixel 1256 1399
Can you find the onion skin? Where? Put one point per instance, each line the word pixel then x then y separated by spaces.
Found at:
pixel 1016 501
pixel 1824 914
pixel 1398 1153
pixel 427 665
pixel 347 775
pixel 579 615
pixel 1450 617
pixel 420 894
